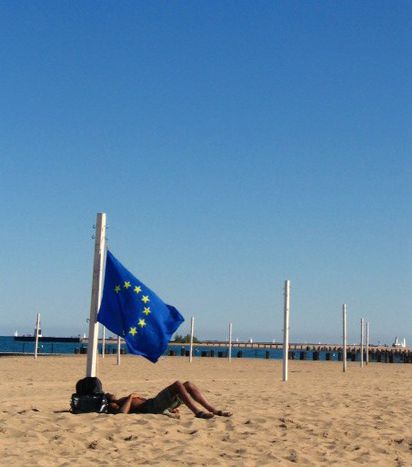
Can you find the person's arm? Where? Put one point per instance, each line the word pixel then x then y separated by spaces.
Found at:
pixel 125 406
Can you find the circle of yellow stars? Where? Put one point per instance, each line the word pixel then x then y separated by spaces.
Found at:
pixel 144 298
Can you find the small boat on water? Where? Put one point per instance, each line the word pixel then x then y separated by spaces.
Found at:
pixel 32 338
pixel 26 338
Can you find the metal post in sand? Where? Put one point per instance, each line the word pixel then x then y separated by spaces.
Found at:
pixel 286 331
pixel 367 342
pixel 229 352
pixel 97 288
pixel 103 341
pixel 192 328
pixel 118 349
pixel 361 341
pixel 36 343
pixel 344 338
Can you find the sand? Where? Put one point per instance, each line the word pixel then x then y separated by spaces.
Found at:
pixel 319 417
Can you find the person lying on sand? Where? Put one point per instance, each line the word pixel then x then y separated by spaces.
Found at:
pixel 166 402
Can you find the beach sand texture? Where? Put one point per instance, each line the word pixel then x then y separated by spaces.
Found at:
pixel 319 417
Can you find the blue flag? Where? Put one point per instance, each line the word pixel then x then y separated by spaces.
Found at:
pixel 131 310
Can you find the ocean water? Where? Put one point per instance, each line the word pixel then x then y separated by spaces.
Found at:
pixel 9 345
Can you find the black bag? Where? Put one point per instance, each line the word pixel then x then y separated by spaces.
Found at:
pixel 89 385
pixel 89 403
pixel 89 396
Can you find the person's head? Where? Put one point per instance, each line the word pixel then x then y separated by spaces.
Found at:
pixel 113 406
pixel 110 397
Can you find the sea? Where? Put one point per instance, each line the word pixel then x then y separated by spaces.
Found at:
pixel 9 345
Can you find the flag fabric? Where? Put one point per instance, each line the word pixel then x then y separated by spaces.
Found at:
pixel 131 310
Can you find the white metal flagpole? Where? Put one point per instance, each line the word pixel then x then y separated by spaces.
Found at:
pixel 36 343
pixel 344 356
pixel 367 342
pixel 192 327
pixel 97 287
pixel 286 331
pixel 118 349
pixel 103 341
pixel 361 341
pixel 229 353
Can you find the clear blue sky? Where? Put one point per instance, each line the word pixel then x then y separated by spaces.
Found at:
pixel 232 144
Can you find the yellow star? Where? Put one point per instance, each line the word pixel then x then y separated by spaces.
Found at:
pixel 133 331
pixel 142 323
pixel 117 289
pixel 146 310
pixel 127 284
pixel 145 299
pixel 137 289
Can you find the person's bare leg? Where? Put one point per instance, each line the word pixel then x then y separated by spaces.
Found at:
pixel 200 398
pixel 181 390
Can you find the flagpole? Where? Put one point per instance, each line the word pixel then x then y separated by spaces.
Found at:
pixel 118 349
pixel 192 327
pixel 36 344
pixel 229 355
pixel 286 331
pixel 97 287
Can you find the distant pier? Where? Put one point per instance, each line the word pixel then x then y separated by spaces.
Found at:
pixel 301 351
pixel 220 349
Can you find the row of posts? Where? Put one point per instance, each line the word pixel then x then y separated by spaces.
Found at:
pixel 285 333
pixel 364 340
pixel 97 288
pixel 380 356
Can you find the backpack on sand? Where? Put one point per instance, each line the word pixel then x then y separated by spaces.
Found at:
pixel 89 385
pixel 89 397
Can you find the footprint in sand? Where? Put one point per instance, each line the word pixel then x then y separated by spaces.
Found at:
pixel 293 456
pixel 187 424
pixel 92 445
pixel 229 425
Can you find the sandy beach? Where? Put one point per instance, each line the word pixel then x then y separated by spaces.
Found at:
pixel 319 417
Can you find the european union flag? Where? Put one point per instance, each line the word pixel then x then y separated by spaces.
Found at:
pixel 131 310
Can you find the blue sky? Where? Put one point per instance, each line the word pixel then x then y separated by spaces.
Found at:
pixel 233 145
